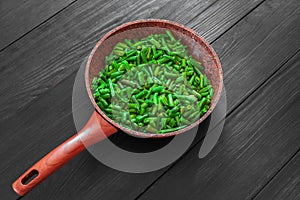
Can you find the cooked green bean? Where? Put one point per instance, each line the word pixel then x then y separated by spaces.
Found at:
pixel 162 88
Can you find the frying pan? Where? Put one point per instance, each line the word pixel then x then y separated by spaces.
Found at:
pixel 99 126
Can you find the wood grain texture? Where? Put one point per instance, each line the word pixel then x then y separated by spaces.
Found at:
pixel 19 17
pixel 259 137
pixel 251 66
pixel 96 130
pixel 257 46
pixel 53 51
pixel 286 185
pixel 44 63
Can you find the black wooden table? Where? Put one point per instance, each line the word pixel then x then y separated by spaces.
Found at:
pixel 43 43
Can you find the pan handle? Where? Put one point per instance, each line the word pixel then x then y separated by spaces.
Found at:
pixel 96 129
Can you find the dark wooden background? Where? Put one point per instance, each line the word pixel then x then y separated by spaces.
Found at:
pixel 43 43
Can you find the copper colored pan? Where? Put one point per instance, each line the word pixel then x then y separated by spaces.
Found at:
pixel 99 125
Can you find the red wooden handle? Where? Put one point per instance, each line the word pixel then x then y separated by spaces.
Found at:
pixel 95 130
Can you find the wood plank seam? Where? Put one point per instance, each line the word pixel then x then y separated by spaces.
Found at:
pixel 208 7
pixel 255 7
pixel 276 174
pixel 38 25
pixel 73 73
pixel 265 82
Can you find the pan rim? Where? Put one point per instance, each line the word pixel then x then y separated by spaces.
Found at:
pixel 134 133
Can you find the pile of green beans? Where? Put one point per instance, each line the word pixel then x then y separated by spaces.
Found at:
pixel 152 85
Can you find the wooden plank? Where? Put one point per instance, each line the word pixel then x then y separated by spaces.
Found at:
pixel 286 184
pixel 19 17
pixel 57 105
pixel 28 134
pixel 34 128
pixel 258 139
pixel 232 50
pixel 53 51
pixel 257 47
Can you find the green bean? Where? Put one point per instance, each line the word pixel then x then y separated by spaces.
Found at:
pixel 171 129
pixel 143 54
pixel 96 95
pixel 186 97
pixel 153 49
pixel 193 116
pixel 144 69
pixel 131 53
pixel 197 65
pixel 141 94
pixel 131 111
pixel 137 44
pixel 168 82
pixel 103 102
pixel 177 121
pixel 116 108
pixel 191 81
pixel 169 63
pixel 176 102
pixel 211 92
pixel 105 90
pixel 179 79
pixel 157 55
pixel 115 74
pixel 141 78
pixel 128 42
pixel 188 113
pixel 170 75
pixel 174 114
pixel 129 83
pixel 164 44
pixel 154 42
pixel 204 89
pixel 175 109
pixel 201 103
pixel 163 100
pixel 158 90
pixel 126 65
pixel 133 105
pixel 156 71
pixel 184 121
pixel 118 48
pixel 138 60
pixel 170 100
pixel 162 60
pixel 118 52
pixel 112 91
pixel 155 98
pixel 177 67
pixel 205 81
pixel 199 96
pixel 148 53
pixel 168 57
pixel 201 81
pixel 106 96
pixel 189 73
pixel 144 105
pixel 134 99
pixel 151 129
pixel 141 117
pixel 132 58
pixel 170 35
pixel 204 94
pixel 172 122
pixel 124 46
